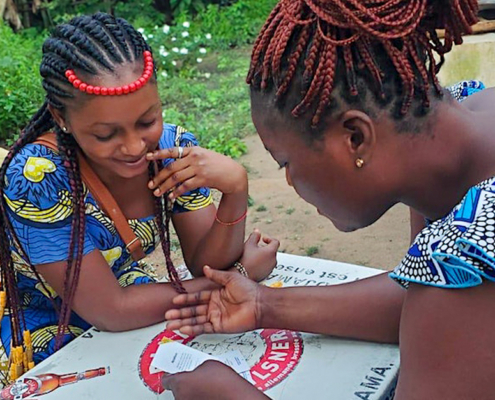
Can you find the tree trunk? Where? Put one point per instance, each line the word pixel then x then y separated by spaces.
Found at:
pixel 10 14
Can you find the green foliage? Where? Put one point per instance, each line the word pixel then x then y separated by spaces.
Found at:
pixel 177 51
pixel 20 88
pixel 234 25
pixel 213 105
pixel 63 10
pixel 312 250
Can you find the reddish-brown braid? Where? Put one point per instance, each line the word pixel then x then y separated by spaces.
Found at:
pixel 377 40
pixel 164 207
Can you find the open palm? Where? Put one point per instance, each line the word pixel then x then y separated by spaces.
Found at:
pixel 234 307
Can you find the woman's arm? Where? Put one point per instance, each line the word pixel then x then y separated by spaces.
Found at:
pixel 447 342
pixel 102 302
pixel 204 241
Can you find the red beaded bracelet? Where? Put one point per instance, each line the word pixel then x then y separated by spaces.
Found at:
pixel 119 90
pixel 243 216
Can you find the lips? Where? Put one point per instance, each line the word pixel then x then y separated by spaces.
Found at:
pixel 135 162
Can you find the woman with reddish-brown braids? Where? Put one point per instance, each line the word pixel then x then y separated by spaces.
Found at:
pixel 91 187
pixel 345 97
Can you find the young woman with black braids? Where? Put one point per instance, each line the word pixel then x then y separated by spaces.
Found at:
pixel 60 251
pixel 345 97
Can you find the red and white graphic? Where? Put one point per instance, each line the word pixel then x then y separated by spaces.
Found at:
pixel 272 354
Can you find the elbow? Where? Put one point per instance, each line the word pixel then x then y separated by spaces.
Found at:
pixel 107 325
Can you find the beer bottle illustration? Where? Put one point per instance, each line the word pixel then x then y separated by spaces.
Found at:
pixel 46 383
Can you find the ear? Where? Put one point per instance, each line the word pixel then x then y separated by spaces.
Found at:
pixel 58 117
pixel 359 134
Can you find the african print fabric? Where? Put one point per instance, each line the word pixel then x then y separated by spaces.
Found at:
pixel 38 197
pixel 458 250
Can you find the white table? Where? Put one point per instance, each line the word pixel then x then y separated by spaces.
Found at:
pixel 288 365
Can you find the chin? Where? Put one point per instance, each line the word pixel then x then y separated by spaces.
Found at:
pixel 348 226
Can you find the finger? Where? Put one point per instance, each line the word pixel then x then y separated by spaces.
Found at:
pixel 194 298
pixel 197 329
pixel 195 321
pixel 170 381
pixel 220 277
pixel 172 152
pixel 174 181
pixel 167 172
pixel 185 187
pixel 186 312
pixel 254 238
pixel 272 244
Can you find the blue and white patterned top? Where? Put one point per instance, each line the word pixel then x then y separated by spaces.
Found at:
pixel 458 250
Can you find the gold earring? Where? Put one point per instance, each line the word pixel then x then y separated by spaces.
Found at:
pixel 359 162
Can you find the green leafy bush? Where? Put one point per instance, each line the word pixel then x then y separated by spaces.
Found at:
pixel 234 25
pixel 176 50
pixel 21 93
pixel 214 106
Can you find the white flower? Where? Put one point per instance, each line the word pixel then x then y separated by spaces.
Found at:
pixel 202 50
pixel 186 24
pixel 184 51
pixel 164 74
pixel 166 29
pixel 199 60
pixel 185 34
pixel 174 39
pixel 140 30
pixel 207 75
pixel 174 63
pixel 208 36
pixel 150 36
pixel 164 53
pixel 175 49
pixel 156 27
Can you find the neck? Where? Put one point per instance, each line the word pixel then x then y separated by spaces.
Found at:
pixel 456 154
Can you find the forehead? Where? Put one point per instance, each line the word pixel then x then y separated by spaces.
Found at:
pixel 114 109
pixel 278 130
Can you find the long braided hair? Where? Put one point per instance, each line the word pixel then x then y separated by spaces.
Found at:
pixel 386 47
pixel 91 45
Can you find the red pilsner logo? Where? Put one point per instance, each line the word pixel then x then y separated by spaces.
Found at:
pixel 283 350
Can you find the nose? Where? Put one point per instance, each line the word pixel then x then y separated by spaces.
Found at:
pixel 133 145
pixel 287 177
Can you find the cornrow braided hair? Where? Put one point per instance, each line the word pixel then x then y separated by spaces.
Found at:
pixel 92 45
pixel 385 46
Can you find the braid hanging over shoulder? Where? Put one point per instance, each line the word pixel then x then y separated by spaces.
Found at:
pixel 322 37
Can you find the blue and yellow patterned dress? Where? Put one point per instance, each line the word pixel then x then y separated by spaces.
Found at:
pixel 38 197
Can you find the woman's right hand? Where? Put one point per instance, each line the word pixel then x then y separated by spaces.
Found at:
pixel 234 307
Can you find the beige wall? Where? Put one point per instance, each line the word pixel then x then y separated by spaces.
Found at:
pixel 475 59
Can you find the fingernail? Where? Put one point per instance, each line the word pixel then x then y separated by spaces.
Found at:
pixel 149 155
pixel 151 184
pixel 171 197
pixel 157 192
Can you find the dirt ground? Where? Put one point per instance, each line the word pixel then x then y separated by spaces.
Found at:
pixel 279 212
pixel 301 230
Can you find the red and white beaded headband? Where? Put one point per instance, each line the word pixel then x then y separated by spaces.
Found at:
pixel 119 90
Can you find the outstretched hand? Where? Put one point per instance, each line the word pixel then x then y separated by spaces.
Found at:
pixel 234 307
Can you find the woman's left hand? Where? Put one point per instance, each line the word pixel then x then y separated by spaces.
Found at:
pixel 211 380
pixel 196 167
